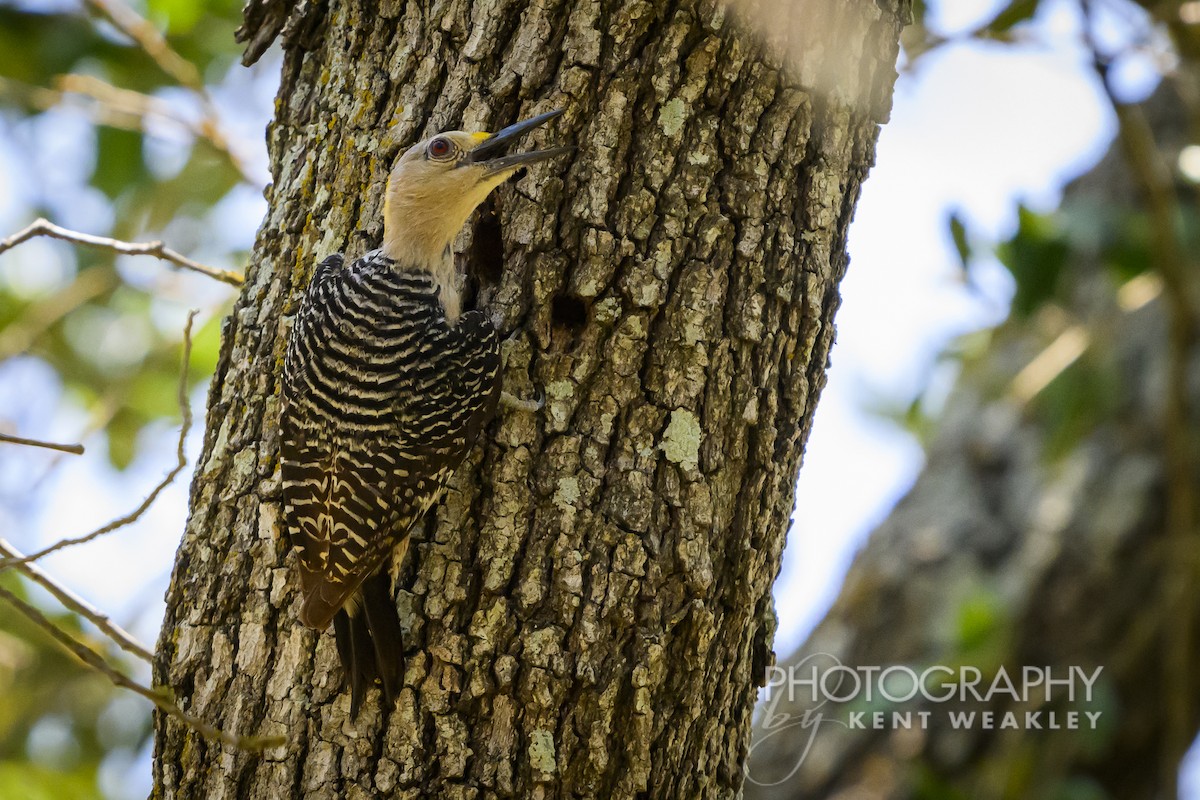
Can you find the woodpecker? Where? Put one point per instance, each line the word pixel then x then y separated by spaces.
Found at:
pixel 387 383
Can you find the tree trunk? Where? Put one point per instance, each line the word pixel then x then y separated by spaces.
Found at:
pixel 1036 535
pixel 589 611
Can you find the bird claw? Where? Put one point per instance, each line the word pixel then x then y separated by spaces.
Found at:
pixel 511 401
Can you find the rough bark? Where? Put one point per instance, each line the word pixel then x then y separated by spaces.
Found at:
pixel 589 611
pixel 1066 548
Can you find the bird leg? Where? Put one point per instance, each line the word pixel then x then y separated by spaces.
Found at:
pixel 517 404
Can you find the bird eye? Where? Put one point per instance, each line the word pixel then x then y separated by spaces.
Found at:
pixel 440 149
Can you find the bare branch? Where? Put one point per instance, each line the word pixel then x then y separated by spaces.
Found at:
pixel 39 97
pixel 181 461
pixel 159 697
pixel 44 99
pixel 75 603
pixel 76 449
pixel 43 227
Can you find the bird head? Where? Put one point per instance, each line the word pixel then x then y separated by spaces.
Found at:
pixel 437 183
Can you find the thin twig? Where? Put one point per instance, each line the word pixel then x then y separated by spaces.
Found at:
pixel 76 449
pixel 122 638
pixel 181 461
pixel 43 227
pixel 75 603
pixel 159 697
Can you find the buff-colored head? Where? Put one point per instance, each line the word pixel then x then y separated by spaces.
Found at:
pixel 437 183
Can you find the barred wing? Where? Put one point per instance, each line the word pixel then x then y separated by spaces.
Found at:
pixel 382 400
pixel 347 511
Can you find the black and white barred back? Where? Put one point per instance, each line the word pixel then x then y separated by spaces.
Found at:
pixel 382 399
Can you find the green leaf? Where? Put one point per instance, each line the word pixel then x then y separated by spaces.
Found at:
pixel 1010 16
pixel 30 782
pixel 122 434
pixel 1128 252
pixel 980 618
pixel 1082 396
pixel 51 682
pixel 206 347
pixel 34 48
pixel 181 15
pixel 152 394
pixel 1035 257
pixel 203 32
pixel 958 233
pixel 118 160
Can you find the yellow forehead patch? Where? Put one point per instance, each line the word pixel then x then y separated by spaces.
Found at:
pixel 479 137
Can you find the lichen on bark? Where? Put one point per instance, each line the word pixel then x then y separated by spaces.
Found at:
pixel 588 613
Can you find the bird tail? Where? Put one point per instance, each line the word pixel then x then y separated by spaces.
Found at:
pixel 370 642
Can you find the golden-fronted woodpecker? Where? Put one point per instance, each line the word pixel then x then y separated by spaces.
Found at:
pixel 386 385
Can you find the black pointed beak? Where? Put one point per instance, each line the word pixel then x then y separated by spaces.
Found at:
pixel 492 152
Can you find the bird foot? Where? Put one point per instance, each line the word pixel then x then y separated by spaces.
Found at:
pixel 512 401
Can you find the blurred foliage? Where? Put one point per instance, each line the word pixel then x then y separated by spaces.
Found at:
pixel 1035 257
pixel 37 45
pixel 1081 397
pixel 53 730
pixel 126 162
pixel 93 325
pixel 1004 25
pixel 958 235
pixel 980 619
pixel 1076 272
pixel 1113 232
